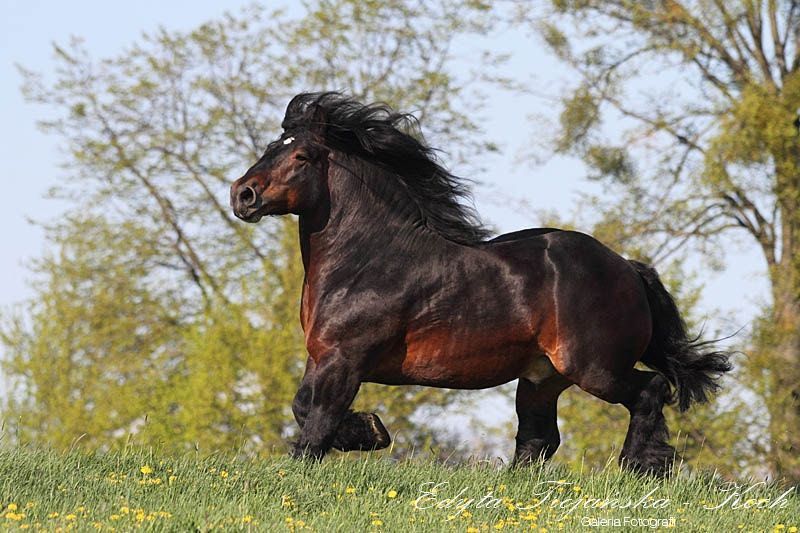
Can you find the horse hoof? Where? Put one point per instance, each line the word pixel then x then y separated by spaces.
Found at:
pixel 306 453
pixel 361 431
pixel 379 432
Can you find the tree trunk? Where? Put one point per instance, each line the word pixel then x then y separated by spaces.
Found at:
pixel 785 396
pixel 783 347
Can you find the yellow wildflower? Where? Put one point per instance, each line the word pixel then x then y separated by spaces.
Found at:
pixel 12 507
pixel 377 522
pixel 52 515
pixel 350 490
pixel 71 516
pixel 146 470
pixel 247 519
pixel 223 474
pixel 391 494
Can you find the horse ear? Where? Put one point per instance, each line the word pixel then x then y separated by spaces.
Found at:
pixel 317 120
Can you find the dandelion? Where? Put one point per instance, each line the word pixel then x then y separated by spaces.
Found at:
pixel 71 517
pixel 53 515
pixel 223 474
pixel 350 490
pixel 11 515
pixel 146 470
pixel 391 494
pixel 246 519
pixel 377 522
pixel 12 507
pixel 114 517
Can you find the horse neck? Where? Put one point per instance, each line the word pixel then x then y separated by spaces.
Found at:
pixel 366 212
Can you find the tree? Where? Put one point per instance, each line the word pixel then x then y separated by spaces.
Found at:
pixel 688 112
pixel 155 136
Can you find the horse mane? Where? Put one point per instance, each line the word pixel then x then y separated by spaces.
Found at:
pixel 378 134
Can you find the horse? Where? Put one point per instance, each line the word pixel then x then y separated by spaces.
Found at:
pixel 403 286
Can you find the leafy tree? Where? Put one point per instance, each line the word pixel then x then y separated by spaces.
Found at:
pixel 687 112
pixel 157 312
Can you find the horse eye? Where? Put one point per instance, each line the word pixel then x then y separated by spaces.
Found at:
pixel 301 157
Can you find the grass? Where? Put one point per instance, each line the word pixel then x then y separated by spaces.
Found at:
pixel 41 489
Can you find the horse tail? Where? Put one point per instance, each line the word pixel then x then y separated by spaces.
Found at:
pixel 692 366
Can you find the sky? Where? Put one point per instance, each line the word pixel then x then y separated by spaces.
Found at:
pixel 29 159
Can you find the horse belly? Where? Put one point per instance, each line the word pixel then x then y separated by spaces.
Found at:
pixel 454 361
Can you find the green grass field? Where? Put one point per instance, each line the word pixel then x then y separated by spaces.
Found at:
pixel 139 489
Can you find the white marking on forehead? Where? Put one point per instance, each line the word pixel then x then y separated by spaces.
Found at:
pixel 288 140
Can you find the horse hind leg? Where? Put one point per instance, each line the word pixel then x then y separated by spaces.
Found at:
pixel 646 449
pixel 537 434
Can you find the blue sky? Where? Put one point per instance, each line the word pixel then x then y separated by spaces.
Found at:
pixel 30 159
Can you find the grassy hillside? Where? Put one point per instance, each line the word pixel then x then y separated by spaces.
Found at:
pixel 121 491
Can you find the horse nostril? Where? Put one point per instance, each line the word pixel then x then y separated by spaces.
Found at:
pixel 247 197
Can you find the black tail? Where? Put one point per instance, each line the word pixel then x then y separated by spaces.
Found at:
pixel 692 366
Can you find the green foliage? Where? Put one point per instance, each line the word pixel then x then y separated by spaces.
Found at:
pixel 158 317
pixel 579 115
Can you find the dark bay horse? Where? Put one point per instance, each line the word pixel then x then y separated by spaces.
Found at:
pixel 402 287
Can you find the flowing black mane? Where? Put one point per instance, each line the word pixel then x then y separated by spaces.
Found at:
pixel 378 134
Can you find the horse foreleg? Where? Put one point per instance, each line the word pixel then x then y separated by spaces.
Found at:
pixel 333 385
pixel 356 431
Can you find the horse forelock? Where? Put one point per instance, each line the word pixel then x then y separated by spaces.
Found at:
pixel 380 135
